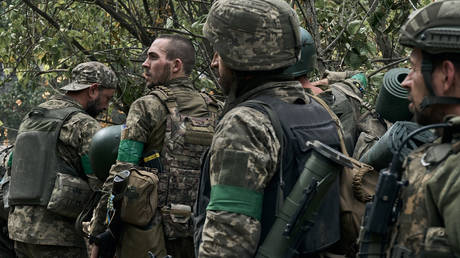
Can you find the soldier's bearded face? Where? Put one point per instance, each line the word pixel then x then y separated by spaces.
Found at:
pixel 226 77
pixel 157 67
pixel 100 103
pixel 416 86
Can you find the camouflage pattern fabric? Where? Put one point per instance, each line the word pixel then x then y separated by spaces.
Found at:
pixel 48 251
pixel 254 35
pixel 85 74
pixel 248 133
pixel 344 98
pixel 35 224
pixel 430 202
pixel 147 122
pixel 186 139
pixel 371 128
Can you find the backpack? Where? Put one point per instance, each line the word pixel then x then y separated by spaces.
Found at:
pixel 186 139
pixel 357 187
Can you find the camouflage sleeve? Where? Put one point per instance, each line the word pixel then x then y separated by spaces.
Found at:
pixel 145 115
pixel 77 132
pixel 243 159
pixel 443 190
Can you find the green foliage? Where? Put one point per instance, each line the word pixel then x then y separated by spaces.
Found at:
pixel 20 98
pixel 41 40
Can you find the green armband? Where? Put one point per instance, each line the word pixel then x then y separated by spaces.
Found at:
pixel 130 151
pixel 236 199
pixel 10 160
pixel 86 164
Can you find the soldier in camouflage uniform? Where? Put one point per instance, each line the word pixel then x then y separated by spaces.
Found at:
pixel 148 133
pixel 253 41
pixel 429 224
pixel 38 232
pixel 342 91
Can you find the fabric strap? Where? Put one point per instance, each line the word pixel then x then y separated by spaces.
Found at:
pixel 236 199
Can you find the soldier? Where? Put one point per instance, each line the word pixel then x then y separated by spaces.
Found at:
pixel 170 127
pixel 342 91
pixel 50 165
pixel 428 225
pixel 254 41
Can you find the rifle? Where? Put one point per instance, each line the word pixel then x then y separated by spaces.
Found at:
pixel 383 211
pixel 107 240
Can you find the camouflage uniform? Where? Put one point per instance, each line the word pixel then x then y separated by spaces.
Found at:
pixel 345 98
pixel 146 128
pixel 247 162
pixel 428 223
pixel 41 233
pixel 255 38
pixel 429 219
pixel 35 224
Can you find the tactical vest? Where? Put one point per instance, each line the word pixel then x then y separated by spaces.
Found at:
pixel 186 139
pixel 300 123
pixel 420 230
pixel 36 163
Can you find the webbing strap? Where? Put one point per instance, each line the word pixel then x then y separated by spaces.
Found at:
pixel 432 100
pixel 349 93
pixel 166 96
pixel 336 120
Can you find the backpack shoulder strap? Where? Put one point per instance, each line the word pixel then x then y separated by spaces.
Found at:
pixel 336 120
pixel 60 113
pixel 346 91
pixel 211 102
pixel 166 96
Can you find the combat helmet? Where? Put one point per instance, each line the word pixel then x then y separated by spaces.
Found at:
pixel 435 29
pixel 258 35
pixel 307 60
pixel 103 150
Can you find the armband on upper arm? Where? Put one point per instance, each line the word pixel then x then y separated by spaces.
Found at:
pixel 130 151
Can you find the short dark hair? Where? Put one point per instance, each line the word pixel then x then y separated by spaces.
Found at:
pixel 182 48
pixel 437 59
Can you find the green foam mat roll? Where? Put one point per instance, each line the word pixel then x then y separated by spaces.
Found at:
pixel 392 102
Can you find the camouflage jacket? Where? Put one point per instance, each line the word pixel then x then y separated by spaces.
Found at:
pixel 146 128
pixel 429 225
pixel 344 99
pixel 243 154
pixel 35 224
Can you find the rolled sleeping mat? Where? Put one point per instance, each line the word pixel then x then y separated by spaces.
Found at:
pixel 380 154
pixel 392 102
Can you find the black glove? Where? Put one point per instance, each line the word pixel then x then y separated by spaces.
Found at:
pixel 106 243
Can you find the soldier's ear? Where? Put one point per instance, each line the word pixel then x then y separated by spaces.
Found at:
pixel 93 91
pixel 447 77
pixel 177 65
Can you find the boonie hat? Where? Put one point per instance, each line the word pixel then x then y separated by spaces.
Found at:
pixel 86 74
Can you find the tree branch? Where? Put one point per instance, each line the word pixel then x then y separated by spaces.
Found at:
pixel 57 27
pixel 387 66
pixel 141 36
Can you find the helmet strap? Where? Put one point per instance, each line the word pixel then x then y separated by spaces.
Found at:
pixel 427 70
pixel 432 99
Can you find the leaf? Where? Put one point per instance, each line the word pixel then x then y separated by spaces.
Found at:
pixel 353 27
